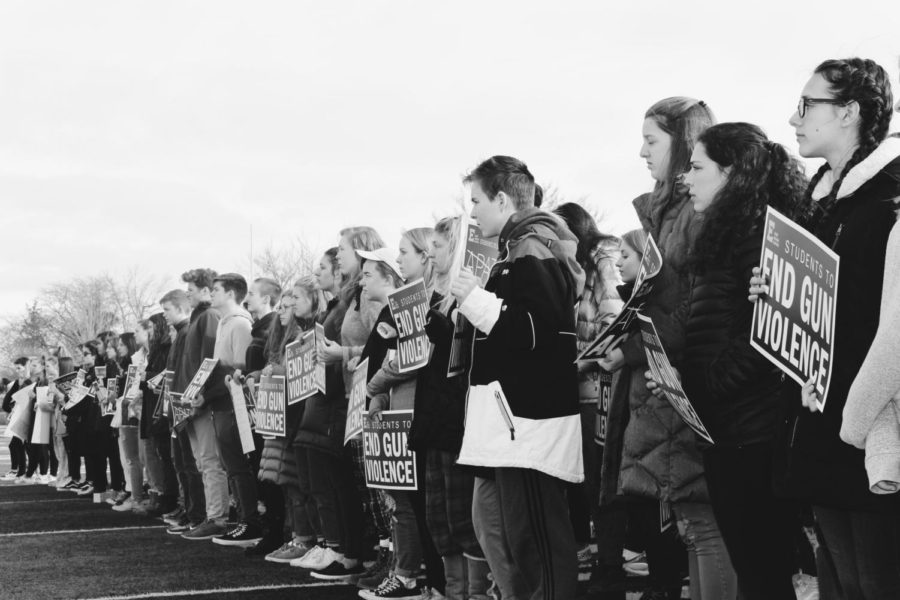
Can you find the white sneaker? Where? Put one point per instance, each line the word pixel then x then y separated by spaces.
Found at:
pixel 61 483
pixel 317 558
pixel 10 476
pixel 42 479
pixel 125 506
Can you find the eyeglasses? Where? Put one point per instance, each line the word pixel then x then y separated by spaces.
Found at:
pixel 805 103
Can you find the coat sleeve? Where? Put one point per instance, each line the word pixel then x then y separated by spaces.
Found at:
pixel 529 318
pixel 240 341
pixel 738 364
pixel 878 379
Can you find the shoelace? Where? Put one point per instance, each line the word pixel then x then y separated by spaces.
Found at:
pixel 237 531
pixel 389 585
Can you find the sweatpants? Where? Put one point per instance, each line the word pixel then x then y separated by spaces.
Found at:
pixel 522 523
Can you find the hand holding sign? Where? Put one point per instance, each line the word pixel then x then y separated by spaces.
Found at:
pixel 759 285
pixel 463 285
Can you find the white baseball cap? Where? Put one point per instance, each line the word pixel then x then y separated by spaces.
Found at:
pixel 381 255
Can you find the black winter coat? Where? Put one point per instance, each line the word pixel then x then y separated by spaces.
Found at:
pixel 813 463
pixel 440 404
pixel 734 388
pixel 325 415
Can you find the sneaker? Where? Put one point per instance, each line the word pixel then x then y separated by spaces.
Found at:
pixel 206 530
pixel 377 573
pixel 86 489
pixel 10 476
pixel 290 551
pixel 635 563
pixel 317 558
pixel 244 535
pixel 337 571
pixel 118 498
pixel 175 516
pixel 392 587
pixel 69 486
pixel 181 527
pixel 125 506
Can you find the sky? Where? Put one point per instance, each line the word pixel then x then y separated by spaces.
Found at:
pixel 159 134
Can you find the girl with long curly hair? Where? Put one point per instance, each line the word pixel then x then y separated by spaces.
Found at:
pixel 735 173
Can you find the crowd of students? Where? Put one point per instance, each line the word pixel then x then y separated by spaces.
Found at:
pixel 513 516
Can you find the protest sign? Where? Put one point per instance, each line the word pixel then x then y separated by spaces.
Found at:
pixel 319 374
pixel 181 409
pixel 357 404
pixel 65 382
pixel 300 360
pixel 22 415
pixel 793 325
pixel 240 400
pixel 161 382
pixel 79 376
pixel 620 328
pixel 76 394
pixel 461 347
pixel 667 379
pixel 199 380
pixel 271 408
pixel 409 309
pixel 389 463
pixel 604 382
pixel 132 383
pixel 112 390
pixel 481 252
pixel 41 431
pixel 100 373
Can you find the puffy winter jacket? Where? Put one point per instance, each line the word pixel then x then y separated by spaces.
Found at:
pixel 813 463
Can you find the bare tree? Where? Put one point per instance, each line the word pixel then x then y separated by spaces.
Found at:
pixel 79 309
pixel 25 335
pixel 134 296
pixel 286 264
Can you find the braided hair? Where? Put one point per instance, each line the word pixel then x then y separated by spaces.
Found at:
pixel 762 173
pixel 865 82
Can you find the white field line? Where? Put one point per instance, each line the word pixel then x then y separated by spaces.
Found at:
pixel 65 531
pixel 40 501
pixel 255 588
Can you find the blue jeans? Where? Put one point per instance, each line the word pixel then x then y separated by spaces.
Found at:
pixel 712 576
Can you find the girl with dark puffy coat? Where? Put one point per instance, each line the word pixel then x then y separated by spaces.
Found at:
pixel 735 173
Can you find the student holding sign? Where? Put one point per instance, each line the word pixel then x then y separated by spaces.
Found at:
pixel 523 412
pixel 735 173
pixel 389 389
pixel 359 319
pixel 599 305
pixel 437 431
pixel 844 116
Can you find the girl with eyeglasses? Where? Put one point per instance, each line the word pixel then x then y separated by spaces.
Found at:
pixel 843 117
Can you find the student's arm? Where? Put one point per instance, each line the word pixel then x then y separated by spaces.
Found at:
pixel 386 378
pixel 528 319
pixel 240 341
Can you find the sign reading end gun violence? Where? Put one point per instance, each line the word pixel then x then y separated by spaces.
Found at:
pixel 271 408
pixel 793 325
pixel 667 378
pixel 409 309
pixel 300 359
pixel 389 463
pixel 357 405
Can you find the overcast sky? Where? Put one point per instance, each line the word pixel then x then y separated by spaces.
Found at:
pixel 155 134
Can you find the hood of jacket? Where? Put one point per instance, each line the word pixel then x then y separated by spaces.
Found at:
pixel 549 231
pixel 883 158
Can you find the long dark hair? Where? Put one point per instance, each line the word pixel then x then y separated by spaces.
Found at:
pixel 129 342
pixel 761 173
pixel 865 82
pixel 160 342
pixel 684 119
pixel 582 224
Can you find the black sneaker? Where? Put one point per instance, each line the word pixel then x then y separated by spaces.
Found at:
pixel 181 526
pixel 392 587
pixel 243 535
pixel 336 571
pixel 377 573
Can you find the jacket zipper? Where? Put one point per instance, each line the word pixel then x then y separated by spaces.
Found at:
pixel 505 414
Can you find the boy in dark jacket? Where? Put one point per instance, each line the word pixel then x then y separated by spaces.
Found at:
pixel 523 413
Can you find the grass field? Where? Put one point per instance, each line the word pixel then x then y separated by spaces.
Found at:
pixel 56 545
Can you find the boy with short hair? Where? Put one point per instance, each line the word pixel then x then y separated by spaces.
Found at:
pixel 523 374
